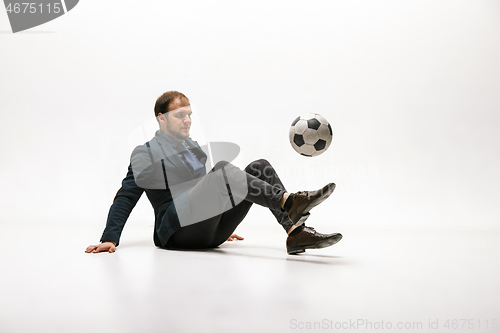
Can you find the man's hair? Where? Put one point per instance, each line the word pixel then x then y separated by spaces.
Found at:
pixel 164 100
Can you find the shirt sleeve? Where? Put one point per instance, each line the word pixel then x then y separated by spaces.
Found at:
pixel 125 200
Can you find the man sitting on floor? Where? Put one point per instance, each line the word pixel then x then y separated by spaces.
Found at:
pixel 195 209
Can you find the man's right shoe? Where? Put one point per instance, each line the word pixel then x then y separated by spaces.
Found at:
pixel 304 201
pixel 309 238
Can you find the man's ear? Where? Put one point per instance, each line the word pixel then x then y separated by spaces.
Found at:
pixel 162 118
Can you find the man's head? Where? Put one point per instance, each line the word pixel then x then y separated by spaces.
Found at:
pixel 173 112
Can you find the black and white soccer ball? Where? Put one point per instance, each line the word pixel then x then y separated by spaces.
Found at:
pixel 310 134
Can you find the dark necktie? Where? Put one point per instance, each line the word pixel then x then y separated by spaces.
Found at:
pixel 190 158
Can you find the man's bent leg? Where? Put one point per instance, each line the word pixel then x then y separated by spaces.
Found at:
pixel 195 236
pixel 223 188
pixel 229 222
pixel 257 170
pixel 217 206
pixel 263 170
pixel 212 232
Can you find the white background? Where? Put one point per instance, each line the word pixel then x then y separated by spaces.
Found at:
pixel 411 89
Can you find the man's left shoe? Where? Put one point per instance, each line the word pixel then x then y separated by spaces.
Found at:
pixel 304 201
pixel 309 238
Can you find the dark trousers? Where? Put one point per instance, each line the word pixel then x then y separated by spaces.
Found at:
pixel 264 188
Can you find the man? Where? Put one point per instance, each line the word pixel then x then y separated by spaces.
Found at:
pixel 195 210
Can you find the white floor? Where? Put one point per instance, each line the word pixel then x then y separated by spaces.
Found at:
pixel 370 281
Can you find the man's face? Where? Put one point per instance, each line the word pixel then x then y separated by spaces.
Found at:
pixel 177 121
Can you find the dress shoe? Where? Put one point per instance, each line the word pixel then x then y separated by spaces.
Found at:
pixel 309 238
pixel 304 201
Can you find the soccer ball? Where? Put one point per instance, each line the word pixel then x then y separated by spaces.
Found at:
pixel 310 134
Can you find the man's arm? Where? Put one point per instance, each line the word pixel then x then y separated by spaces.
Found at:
pixel 125 200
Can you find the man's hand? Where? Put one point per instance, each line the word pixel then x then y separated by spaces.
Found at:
pixel 106 246
pixel 235 236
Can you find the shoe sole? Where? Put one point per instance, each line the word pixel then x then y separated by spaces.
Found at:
pixel 305 213
pixel 318 245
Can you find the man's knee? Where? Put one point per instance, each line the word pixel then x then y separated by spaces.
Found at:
pixel 256 167
pixel 263 162
pixel 220 165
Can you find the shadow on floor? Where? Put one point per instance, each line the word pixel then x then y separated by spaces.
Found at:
pixel 303 257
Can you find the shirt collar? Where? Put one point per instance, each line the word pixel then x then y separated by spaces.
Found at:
pixel 177 145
